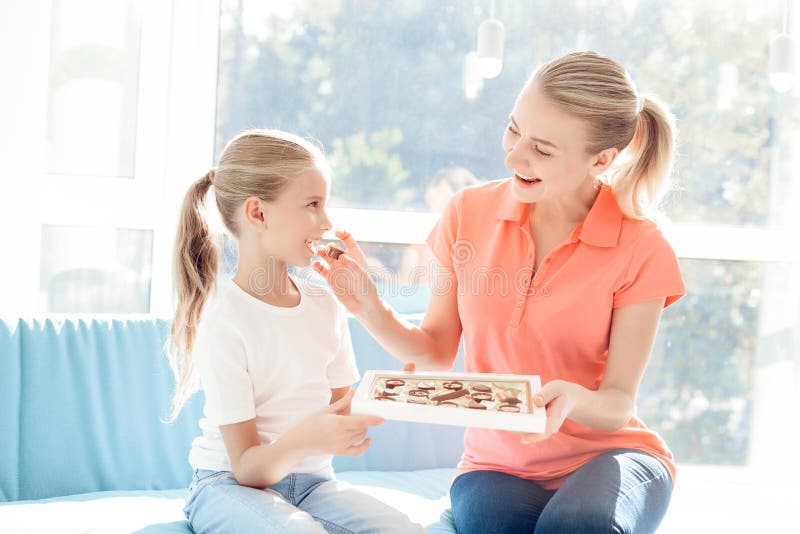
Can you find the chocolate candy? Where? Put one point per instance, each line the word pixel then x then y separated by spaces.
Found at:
pixel 417 400
pixel 453 385
pixel 418 393
pixel 476 405
pixel 452 394
pixel 333 251
pixel 395 382
pixel 483 388
pixel 387 393
pixel 426 385
pixel 384 398
pixel 481 396
pixel 508 408
pixel 446 403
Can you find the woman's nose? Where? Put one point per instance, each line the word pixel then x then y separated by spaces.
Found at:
pixel 512 157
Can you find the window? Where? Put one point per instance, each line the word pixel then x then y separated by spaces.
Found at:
pixel 385 96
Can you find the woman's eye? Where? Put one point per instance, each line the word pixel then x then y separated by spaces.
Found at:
pixel 313 204
pixel 512 130
pixel 543 154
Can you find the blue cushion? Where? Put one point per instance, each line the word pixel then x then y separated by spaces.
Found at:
pixel 84 399
pixel 423 495
pixel 10 348
pixel 93 396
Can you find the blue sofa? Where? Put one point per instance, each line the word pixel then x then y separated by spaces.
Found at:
pixel 84 448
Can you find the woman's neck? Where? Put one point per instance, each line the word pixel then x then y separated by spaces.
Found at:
pixel 569 210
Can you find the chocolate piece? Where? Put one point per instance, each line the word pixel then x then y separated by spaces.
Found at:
pixel 508 408
pixel 481 396
pixel 452 394
pixel 384 398
pixel 395 382
pixel 417 400
pixel 387 393
pixel 426 385
pixel 454 385
pixel 333 251
pixel 418 393
pixel 483 388
pixel 509 400
pixel 446 403
pixel 476 405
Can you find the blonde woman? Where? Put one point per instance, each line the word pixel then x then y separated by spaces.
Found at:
pixel 271 352
pixel 556 271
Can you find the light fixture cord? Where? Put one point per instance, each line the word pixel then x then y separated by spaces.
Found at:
pixel 491 9
pixel 785 16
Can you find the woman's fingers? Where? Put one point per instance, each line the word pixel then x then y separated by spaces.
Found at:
pixel 410 367
pixel 352 246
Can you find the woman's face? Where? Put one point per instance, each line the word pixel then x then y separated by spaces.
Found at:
pixel 545 147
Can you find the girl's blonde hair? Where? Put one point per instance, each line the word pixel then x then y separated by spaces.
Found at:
pixel 256 163
pixel 598 90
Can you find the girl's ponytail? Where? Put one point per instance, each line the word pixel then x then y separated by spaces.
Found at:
pixel 641 180
pixel 195 261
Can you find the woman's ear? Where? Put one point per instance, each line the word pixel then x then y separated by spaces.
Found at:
pixel 254 213
pixel 603 160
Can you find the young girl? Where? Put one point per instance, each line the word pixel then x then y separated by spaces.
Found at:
pixel 271 352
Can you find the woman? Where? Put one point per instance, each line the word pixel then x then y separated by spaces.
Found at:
pixel 556 271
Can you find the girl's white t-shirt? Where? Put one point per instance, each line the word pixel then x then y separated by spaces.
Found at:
pixel 274 364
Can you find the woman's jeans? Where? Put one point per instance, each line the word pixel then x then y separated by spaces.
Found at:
pixel 299 503
pixel 620 491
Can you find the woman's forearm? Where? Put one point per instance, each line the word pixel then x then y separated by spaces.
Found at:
pixel 405 340
pixel 604 409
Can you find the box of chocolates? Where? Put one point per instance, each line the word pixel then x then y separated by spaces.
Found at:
pixel 484 400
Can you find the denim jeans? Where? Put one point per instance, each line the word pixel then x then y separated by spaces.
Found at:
pixel 299 503
pixel 621 491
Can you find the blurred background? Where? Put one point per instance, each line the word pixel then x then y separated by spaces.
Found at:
pixel 111 108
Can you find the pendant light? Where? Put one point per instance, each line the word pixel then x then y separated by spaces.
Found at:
pixel 782 57
pixel 490 45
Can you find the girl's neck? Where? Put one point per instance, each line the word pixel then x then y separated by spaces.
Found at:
pixel 267 279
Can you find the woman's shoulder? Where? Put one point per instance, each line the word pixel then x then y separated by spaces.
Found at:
pixel 642 234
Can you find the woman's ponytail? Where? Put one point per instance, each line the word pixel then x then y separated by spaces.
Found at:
pixel 195 260
pixel 643 177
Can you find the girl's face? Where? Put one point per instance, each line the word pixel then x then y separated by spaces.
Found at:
pixel 297 219
pixel 545 147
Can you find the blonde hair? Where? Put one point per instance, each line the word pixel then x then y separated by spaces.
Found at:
pixel 598 90
pixel 256 163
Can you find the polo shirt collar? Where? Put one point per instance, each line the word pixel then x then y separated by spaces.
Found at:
pixel 601 227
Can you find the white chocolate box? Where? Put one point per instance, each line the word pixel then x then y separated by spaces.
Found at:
pixel 484 400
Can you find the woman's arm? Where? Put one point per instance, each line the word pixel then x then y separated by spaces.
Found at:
pixel 431 345
pixel 633 331
pixel 329 431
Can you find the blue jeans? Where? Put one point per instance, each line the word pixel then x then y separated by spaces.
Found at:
pixel 620 491
pixel 299 503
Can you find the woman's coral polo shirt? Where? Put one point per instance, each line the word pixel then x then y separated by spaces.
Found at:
pixel 555 322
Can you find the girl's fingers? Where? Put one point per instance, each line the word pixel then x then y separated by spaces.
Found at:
pixel 356 450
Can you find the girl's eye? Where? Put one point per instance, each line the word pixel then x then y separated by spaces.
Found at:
pixel 543 154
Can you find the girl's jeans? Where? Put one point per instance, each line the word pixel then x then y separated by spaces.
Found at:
pixel 300 502
pixel 620 491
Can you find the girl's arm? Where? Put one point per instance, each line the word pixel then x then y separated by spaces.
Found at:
pixel 329 431
pixel 431 345
pixel 633 331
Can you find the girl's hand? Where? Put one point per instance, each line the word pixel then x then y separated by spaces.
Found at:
pixel 559 398
pixel 332 431
pixel 348 280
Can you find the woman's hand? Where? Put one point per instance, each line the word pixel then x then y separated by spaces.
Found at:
pixel 348 278
pixel 332 431
pixel 558 398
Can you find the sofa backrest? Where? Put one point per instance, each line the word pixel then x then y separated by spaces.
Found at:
pixel 83 399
